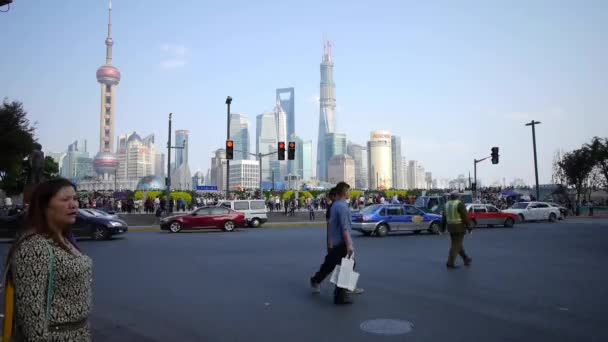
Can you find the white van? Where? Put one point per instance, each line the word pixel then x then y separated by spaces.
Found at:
pixel 254 210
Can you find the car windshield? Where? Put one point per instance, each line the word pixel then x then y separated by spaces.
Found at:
pixel 370 210
pixel 521 205
pixel 86 213
pixel 99 213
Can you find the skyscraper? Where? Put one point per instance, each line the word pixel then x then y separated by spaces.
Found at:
pixel 296 164
pixel 359 154
pixel 239 133
pixel 108 76
pixel 181 139
pixel 397 162
pixel 307 164
pixel 266 140
pixel 327 110
pixel 341 168
pixel 412 174
pixel 335 144
pixel 281 122
pixel 380 162
pixel 136 156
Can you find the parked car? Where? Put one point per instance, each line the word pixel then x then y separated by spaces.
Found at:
pixel 254 210
pixel 488 215
pixel 562 210
pixel 204 218
pixel 534 211
pixel 87 225
pixel 381 219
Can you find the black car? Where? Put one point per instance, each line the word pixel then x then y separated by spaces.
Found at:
pixel 98 227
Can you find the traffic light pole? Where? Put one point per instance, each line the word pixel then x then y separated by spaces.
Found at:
pixel 475 174
pixel 169 147
pixel 228 102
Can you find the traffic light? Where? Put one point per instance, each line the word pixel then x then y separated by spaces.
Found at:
pixel 281 150
pixel 229 149
pixel 291 152
pixel 494 155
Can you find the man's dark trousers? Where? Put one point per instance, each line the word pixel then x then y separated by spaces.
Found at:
pixel 334 257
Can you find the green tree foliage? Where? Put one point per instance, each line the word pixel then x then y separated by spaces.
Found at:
pixel 302 195
pixel 599 153
pixel 16 143
pixel 577 166
pixel 51 168
pixel 355 194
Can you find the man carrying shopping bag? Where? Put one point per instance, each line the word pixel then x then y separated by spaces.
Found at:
pixel 340 244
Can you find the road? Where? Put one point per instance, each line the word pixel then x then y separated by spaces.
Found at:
pixel 536 282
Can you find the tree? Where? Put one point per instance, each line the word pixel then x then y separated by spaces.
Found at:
pixel 51 168
pixel 16 143
pixel 577 165
pixel 599 152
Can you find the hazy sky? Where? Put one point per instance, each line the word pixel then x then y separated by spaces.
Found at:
pixel 452 78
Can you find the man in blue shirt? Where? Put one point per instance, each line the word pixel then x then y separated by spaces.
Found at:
pixel 340 242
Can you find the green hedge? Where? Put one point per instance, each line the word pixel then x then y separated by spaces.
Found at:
pixel 139 195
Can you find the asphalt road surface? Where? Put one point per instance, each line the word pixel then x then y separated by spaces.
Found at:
pixel 536 282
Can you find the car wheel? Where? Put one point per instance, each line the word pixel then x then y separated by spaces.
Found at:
pixel 434 229
pixel 175 227
pixel 522 218
pixel 229 226
pixel 552 217
pixel 382 230
pixel 100 233
pixel 509 223
pixel 255 223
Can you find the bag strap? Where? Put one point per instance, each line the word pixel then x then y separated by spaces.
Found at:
pixel 51 285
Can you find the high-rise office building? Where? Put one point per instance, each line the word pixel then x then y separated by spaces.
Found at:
pixel 239 133
pixel 286 97
pixel 266 140
pixel 428 178
pixel 296 165
pixel 244 174
pixel 108 76
pixel 341 168
pixel 404 175
pixel 281 122
pixel 327 109
pixel 307 162
pixel 76 164
pixel 181 140
pixel 335 144
pixel 359 154
pixel 412 174
pixel 160 166
pixel 380 164
pixel 397 162
pixel 219 170
pixel 420 174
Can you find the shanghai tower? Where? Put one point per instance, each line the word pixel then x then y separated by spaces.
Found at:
pixel 327 110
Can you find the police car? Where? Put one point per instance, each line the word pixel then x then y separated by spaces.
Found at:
pixel 381 219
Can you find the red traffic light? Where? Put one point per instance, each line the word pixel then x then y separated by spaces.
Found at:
pixel 281 145
pixel 229 143
pixel 292 145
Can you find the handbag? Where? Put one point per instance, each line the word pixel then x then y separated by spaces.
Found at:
pixel 9 297
pixel 344 275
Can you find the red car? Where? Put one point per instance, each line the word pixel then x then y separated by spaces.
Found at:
pixel 204 218
pixel 489 215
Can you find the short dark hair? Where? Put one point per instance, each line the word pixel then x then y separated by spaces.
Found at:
pixel 342 188
pixel 332 193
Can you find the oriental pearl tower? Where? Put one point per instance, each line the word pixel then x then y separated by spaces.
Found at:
pixel 105 162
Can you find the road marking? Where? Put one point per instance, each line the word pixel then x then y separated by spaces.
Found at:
pixel 385 326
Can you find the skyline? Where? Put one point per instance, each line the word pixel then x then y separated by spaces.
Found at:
pixel 512 79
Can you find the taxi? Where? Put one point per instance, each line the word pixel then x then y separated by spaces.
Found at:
pixel 381 219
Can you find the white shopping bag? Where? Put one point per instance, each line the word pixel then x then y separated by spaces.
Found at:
pixel 347 277
pixel 334 275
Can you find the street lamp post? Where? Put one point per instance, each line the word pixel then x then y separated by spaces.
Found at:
pixel 228 102
pixel 533 124
pixel 168 180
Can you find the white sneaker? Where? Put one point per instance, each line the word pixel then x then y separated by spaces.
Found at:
pixel 357 290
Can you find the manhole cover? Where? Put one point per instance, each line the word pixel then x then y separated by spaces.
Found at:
pixel 385 326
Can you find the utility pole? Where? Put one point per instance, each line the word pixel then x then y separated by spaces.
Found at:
pixel 475 174
pixel 168 180
pixel 228 102
pixel 533 124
